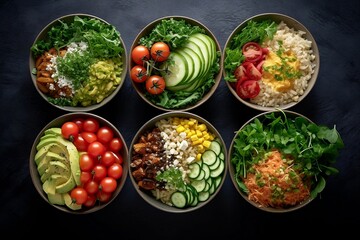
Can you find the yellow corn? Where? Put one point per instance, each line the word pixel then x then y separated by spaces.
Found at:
pixel 199 133
pixel 206 144
pixel 180 129
pixel 198 156
pixel 202 127
pixel 194 138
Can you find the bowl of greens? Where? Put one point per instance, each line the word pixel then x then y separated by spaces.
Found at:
pixel 78 62
pixel 174 63
pixel 177 162
pixel 279 160
pixel 270 61
pixel 79 163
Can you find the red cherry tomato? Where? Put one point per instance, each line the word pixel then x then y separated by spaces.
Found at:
pixel 105 134
pixel 78 195
pixel 89 136
pixel 138 74
pixel 160 51
pixel 139 54
pixel 108 184
pixel 103 196
pixel 155 84
pixel 70 130
pixel 119 158
pixel 85 177
pixel 99 172
pixel 90 202
pixel 115 144
pixel 91 187
pixel 115 171
pixel 108 158
pixel 96 149
pixel 80 123
pixel 86 162
pixel 91 125
pixel 80 143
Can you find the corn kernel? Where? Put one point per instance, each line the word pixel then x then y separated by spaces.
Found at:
pixel 202 127
pixel 199 133
pixel 206 143
pixel 206 136
pixel 198 156
pixel 180 129
pixel 196 142
pixel 194 138
pixel 200 148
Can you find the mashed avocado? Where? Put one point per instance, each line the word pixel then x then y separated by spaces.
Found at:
pixel 104 77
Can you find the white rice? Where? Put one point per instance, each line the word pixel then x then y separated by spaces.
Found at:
pixel 291 40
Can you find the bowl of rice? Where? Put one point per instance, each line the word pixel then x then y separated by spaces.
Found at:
pixel 275 165
pixel 270 61
pixel 78 62
pixel 177 162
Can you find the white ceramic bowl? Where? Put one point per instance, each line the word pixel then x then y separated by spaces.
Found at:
pixel 140 87
pixel 201 186
pixel 45 74
pixel 35 174
pixel 278 98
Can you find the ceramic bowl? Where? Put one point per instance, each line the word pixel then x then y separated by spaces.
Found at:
pixel 83 88
pixel 54 159
pixel 276 73
pixel 280 174
pixel 191 64
pixel 177 162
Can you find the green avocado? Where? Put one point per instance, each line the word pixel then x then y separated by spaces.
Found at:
pixel 56 198
pixel 53 130
pixel 66 186
pixel 70 203
pixel 55 167
pixel 51 156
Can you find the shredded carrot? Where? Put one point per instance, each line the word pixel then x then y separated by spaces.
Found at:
pixel 274 183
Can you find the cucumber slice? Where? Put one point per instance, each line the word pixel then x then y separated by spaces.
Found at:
pixel 197 64
pixel 199 185
pixel 219 170
pixel 203 196
pixel 178 199
pixel 209 157
pixel 177 72
pixel 195 170
pixel 216 147
pixel 216 164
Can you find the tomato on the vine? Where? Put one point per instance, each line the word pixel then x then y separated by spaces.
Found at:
pixel 160 51
pixel 139 54
pixel 138 74
pixel 78 195
pixel 70 130
pixel 155 84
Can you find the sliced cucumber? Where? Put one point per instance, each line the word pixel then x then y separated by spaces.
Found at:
pixel 209 157
pixel 199 185
pixel 195 170
pixel 216 147
pixel 219 170
pixel 178 199
pixel 177 72
pixel 203 196
pixel 197 62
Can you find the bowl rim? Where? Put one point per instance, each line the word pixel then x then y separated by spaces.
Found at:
pixel 149 124
pixel 35 175
pixel 145 30
pixel 232 171
pixel 124 58
pixel 291 22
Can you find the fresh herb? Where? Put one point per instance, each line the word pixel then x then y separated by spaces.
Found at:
pixel 254 31
pixel 173 177
pixel 314 148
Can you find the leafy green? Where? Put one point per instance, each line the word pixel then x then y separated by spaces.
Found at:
pixel 254 31
pixel 174 32
pixel 313 147
pixel 173 177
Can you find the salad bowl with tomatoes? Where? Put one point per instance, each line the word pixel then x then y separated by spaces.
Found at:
pixel 78 62
pixel 270 61
pixel 78 163
pixel 174 63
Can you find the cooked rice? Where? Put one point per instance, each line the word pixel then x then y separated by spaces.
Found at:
pixel 296 42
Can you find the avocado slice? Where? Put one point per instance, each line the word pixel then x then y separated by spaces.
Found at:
pixel 55 167
pixel 56 198
pixel 67 186
pixel 50 147
pixel 53 130
pixel 51 156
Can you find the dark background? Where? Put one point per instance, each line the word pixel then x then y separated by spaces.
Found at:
pixel 334 100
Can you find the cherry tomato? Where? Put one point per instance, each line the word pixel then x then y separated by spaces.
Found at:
pixel 89 136
pixel 138 74
pixel 160 51
pixel 115 144
pixel 252 51
pixel 79 195
pixel 105 134
pixel 115 171
pixel 251 71
pixel 140 54
pixel 240 73
pixel 86 162
pixel 108 158
pixel 85 177
pixel 103 196
pixel 99 172
pixel 248 89
pixel 119 158
pixel 91 200
pixel 108 184
pixel 70 130
pixel 91 125
pixel 91 187
pixel 155 84
pixel 80 143
pixel 96 149
pixel 80 123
